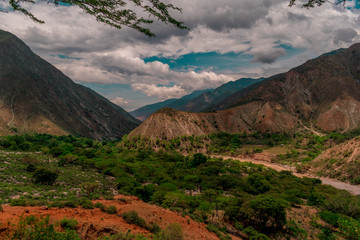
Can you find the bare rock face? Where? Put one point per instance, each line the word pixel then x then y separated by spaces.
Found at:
pixel 323 92
pixel 36 97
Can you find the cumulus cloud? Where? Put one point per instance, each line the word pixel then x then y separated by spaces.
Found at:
pixel 161 92
pixel 120 101
pixel 267 55
pixel 345 35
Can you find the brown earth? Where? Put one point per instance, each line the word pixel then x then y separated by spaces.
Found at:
pixel 93 223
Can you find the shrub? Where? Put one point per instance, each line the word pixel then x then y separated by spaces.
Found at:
pixel 269 211
pixel 18 202
pixel 254 235
pixel 86 203
pixel 1 209
pixel 172 232
pixel 69 224
pixel 34 228
pixel 44 176
pixel 329 217
pixel 31 168
pixel 111 209
pixel 101 206
pixel 349 228
pixel 132 217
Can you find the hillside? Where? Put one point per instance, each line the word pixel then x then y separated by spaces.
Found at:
pixel 36 97
pixel 340 162
pixel 322 93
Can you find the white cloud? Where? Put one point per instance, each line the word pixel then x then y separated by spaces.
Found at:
pixel 120 101
pixel 161 92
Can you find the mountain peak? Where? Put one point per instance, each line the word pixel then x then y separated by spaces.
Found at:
pixel 37 97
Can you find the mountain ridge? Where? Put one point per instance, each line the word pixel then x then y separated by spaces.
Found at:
pixel 37 97
pixel 323 93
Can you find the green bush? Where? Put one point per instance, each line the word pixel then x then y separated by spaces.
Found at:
pixel 18 202
pixel 132 217
pixel 172 232
pixel 44 176
pixel 349 228
pixel 69 224
pixel 269 211
pixel 34 228
pixel 86 203
pixel 329 217
pixel 111 209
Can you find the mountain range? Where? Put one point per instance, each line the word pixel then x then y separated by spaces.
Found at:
pixel 323 94
pixel 198 101
pixel 37 97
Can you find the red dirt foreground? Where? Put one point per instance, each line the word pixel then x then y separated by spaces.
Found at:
pixel 93 223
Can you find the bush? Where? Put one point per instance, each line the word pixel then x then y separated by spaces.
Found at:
pixel 86 203
pixel 132 217
pixel 69 224
pixel 349 228
pixel 269 211
pixel 254 235
pixel 44 176
pixel 172 232
pixel 101 206
pixel 111 209
pixel 330 218
pixel 18 202
pixel 34 228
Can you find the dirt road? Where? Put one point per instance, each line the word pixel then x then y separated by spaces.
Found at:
pixel 354 189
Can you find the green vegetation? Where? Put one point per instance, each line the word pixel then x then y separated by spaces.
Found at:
pixel 34 228
pixel 253 198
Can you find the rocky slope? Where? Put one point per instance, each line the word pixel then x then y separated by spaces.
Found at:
pixel 36 97
pixel 323 92
pixel 341 162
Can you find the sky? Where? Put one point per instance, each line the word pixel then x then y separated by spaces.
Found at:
pixel 226 40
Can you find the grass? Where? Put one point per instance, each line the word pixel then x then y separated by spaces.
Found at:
pixel 17 187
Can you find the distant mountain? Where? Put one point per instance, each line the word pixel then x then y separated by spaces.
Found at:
pixel 197 101
pixel 208 100
pixel 144 112
pixel 323 93
pixel 36 97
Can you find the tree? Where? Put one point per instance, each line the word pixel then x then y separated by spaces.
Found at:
pixel 115 13
pixel 313 3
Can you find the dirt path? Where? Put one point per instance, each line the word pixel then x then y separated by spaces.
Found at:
pixel 354 189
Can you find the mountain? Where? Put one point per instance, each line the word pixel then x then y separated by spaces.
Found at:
pixel 37 97
pixel 144 112
pixel 323 93
pixel 197 101
pixel 207 100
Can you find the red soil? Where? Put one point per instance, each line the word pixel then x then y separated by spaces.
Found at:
pixel 94 223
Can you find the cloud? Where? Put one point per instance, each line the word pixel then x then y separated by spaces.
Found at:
pixel 100 54
pixel 120 101
pixel 161 92
pixel 345 35
pixel 267 55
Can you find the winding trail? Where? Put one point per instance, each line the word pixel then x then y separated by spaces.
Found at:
pixel 354 189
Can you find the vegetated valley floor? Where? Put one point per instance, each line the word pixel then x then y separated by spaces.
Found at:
pixel 95 182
